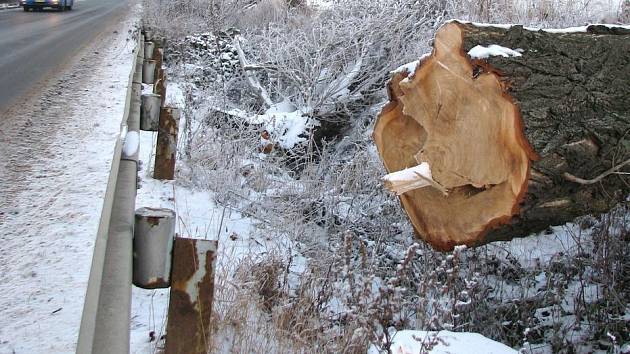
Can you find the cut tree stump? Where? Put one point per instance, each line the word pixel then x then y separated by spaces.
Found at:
pixel 523 129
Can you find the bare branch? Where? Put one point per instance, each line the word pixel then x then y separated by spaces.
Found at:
pixel 251 77
pixel 572 178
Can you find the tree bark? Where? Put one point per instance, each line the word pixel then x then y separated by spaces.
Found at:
pixel 513 139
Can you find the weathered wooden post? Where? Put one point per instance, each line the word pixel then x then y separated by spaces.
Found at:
pixel 152 246
pixel 150 117
pixel 148 72
pixel 192 294
pixel 165 155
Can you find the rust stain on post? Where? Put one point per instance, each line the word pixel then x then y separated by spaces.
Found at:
pixel 192 294
pixel 166 144
pixel 160 75
pixel 156 283
pixel 158 56
pixel 153 221
pixel 160 84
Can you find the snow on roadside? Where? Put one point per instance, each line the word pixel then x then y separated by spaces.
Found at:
pixel 444 342
pixel 197 217
pixel 47 238
pixel 174 96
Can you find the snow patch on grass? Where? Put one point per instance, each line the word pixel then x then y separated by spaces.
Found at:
pixel 444 342
pixel 285 123
pixel 174 96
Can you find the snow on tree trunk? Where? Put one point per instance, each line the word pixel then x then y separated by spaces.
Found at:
pixel 524 128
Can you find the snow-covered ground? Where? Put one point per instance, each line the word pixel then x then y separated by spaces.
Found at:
pixel 200 217
pixel 56 157
pixel 444 342
pixel 197 217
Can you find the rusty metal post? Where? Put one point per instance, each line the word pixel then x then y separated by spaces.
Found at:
pixel 192 293
pixel 150 117
pixel 160 41
pixel 159 58
pixel 148 72
pixel 165 154
pixel 152 246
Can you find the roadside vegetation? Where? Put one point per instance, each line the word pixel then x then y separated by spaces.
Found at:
pixel 281 98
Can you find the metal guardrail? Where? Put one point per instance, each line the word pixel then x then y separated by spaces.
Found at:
pixel 107 307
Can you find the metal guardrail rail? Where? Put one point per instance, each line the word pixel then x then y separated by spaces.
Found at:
pixel 107 308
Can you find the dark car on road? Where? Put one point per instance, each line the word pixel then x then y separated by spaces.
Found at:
pixel 60 5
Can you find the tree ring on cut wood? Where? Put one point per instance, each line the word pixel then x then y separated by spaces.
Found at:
pixel 469 131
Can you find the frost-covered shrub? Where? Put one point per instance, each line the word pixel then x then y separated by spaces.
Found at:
pixel 178 18
pixel 545 13
pixel 333 63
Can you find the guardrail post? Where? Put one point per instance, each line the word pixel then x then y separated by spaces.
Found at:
pixel 150 116
pixel 152 246
pixel 149 49
pixel 148 72
pixel 192 294
pixel 166 149
pixel 148 33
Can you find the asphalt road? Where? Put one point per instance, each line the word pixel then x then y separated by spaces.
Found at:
pixel 35 45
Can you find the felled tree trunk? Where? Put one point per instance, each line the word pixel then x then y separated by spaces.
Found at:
pixel 522 128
